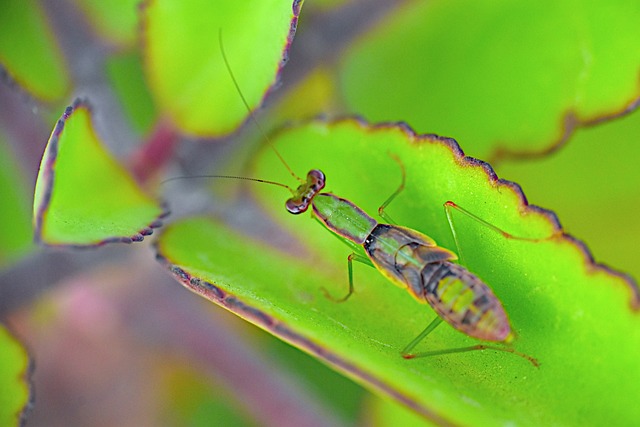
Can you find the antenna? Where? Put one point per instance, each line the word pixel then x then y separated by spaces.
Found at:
pixel 263 181
pixel 246 104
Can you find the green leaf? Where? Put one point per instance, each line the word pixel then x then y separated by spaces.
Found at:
pixel 127 76
pixel 577 318
pixel 29 52
pixel 83 196
pixel 15 392
pixel 184 62
pixel 339 396
pixel 384 412
pixel 194 400
pixel 115 20
pixel 15 218
pixel 592 183
pixel 501 76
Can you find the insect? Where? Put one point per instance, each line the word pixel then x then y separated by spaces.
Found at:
pixel 406 257
pixel 413 261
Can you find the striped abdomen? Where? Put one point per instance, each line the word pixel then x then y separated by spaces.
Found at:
pixel 413 260
pixel 464 301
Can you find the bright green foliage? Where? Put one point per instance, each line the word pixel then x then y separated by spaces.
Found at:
pixel 575 317
pixel 126 74
pixel 384 413
pixel 92 198
pixel 114 20
pixel 15 219
pixel 497 75
pixel 593 185
pixel 184 62
pixel 29 52
pixel 14 389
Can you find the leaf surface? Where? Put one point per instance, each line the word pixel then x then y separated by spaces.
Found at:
pixel 592 183
pixel 83 196
pixel 115 21
pixel 15 217
pixel 127 76
pixel 15 391
pixel 501 76
pixel 579 319
pixel 29 52
pixel 184 62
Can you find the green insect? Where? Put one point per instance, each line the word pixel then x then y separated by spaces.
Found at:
pixel 406 257
pixel 413 261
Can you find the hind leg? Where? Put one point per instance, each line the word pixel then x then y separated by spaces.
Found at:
pixel 406 352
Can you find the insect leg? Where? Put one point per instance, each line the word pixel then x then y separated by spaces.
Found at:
pixel 406 352
pixel 354 256
pixel 382 207
pixel 447 211
pixel 449 205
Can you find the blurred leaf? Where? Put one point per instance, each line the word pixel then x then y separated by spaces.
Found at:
pixel 499 75
pixel 340 395
pixel 579 319
pixel 315 93
pixel 592 183
pixel 83 196
pixel 184 63
pixel 383 412
pixel 126 74
pixel 15 219
pixel 192 401
pixel 114 20
pixel 29 51
pixel 14 387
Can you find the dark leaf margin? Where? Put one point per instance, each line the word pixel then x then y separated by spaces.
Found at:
pixel 48 164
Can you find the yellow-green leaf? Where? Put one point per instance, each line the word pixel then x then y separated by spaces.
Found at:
pixel 593 184
pixel 83 196
pixel 15 217
pixel 15 394
pixel 501 76
pixel 114 20
pixel 29 50
pixel 578 318
pixel 184 61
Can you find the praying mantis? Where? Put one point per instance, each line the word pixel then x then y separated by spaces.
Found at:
pixel 411 260
pixel 406 257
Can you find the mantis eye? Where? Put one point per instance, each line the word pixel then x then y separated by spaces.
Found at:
pixel 305 193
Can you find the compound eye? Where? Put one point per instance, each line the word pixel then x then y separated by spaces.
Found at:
pixel 297 206
pixel 316 179
pixel 306 192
